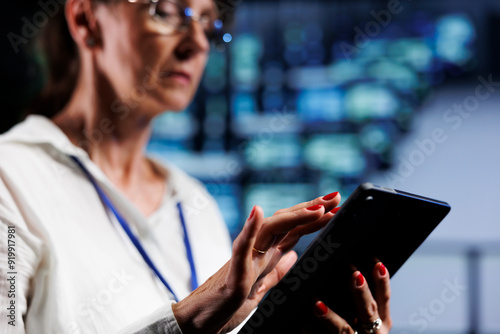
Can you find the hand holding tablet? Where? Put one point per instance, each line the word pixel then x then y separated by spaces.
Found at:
pixel 375 226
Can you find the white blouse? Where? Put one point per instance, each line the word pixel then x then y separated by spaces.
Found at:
pixel 72 269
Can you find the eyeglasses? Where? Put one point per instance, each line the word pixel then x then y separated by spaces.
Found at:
pixel 172 16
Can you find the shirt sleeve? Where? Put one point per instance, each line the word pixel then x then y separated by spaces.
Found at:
pixel 19 260
pixel 162 321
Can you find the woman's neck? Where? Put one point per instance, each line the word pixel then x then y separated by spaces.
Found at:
pixel 115 141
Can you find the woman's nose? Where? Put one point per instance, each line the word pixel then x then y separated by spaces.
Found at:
pixel 195 40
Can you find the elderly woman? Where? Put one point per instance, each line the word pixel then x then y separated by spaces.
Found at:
pixel 105 239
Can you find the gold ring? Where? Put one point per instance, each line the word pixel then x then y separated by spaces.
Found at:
pixel 259 251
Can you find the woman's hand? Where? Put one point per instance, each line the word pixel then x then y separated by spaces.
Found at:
pixel 370 308
pixel 258 263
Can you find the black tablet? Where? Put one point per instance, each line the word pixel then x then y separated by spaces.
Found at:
pixel 374 224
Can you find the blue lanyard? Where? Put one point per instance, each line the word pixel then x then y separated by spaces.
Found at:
pixel 136 242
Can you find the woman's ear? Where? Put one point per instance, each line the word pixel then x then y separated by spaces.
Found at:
pixel 82 23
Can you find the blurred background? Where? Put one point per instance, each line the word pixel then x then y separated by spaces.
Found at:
pixel 303 98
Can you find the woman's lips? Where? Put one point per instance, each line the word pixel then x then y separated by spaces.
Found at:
pixel 178 76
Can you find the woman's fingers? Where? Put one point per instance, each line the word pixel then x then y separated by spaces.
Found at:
pixel 373 310
pixel 366 306
pixel 283 221
pixel 329 201
pixel 243 245
pixel 278 226
pixel 370 309
pixel 332 321
pixel 372 306
pixel 292 238
pixel 382 290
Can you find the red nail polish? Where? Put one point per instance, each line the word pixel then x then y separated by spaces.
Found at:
pixel 320 309
pixel 330 196
pixel 315 207
pixel 252 213
pixel 382 270
pixel 360 280
pixel 335 210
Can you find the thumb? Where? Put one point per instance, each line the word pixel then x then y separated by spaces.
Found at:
pixel 286 262
pixel 271 279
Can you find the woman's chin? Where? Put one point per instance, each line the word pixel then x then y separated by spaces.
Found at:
pixel 177 108
pixel 173 99
pixel 176 104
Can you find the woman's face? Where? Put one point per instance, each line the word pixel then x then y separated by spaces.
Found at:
pixel 146 68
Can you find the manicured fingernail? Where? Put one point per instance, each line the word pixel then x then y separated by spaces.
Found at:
pixel 360 280
pixel 330 196
pixel 382 270
pixel 252 213
pixel 335 210
pixel 315 207
pixel 320 309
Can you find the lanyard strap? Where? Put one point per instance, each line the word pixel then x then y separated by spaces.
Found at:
pixel 107 202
